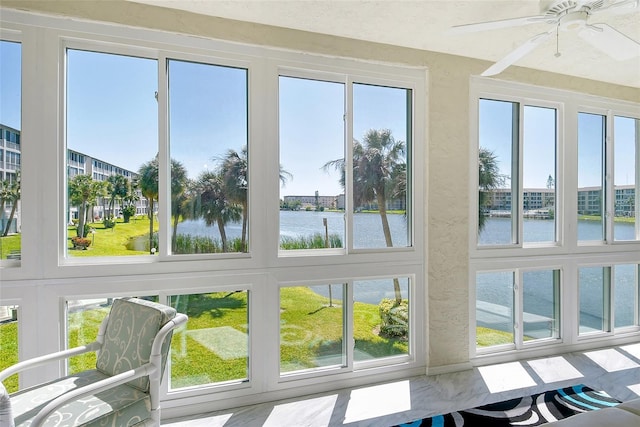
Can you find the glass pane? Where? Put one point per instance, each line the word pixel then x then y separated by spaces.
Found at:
pixel 10 152
pixel 626 295
pixel 497 200
pixel 381 147
pixel 591 135
pixel 381 318
pixel 311 327
pixel 311 164
pixel 112 142
pixel 541 304
pixel 627 139
pixel 83 321
pixel 594 299
pixel 9 317
pixel 208 136
pixel 539 177
pixel 494 308
pixel 214 346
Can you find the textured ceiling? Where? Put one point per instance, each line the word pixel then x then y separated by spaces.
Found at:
pixel 424 25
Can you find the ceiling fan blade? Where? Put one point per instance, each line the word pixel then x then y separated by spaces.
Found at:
pixel 493 25
pixel 520 52
pixel 618 7
pixel 610 41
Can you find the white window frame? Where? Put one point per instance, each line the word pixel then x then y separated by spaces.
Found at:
pixel 567 255
pixel 45 279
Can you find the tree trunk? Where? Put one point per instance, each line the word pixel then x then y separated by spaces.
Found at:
pixel 244 226
pixel 82 219
pixel 10 220
pixel 223 235
pixel 382 208
pixel 174 235
pixel 151 226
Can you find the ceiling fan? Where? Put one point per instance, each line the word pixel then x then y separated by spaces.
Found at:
pixel 565 15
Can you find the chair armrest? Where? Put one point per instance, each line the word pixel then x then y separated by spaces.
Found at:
pixel 93 388
pixel 39 361
pixel 59 355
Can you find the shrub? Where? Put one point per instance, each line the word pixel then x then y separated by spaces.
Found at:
pixel 315 241
pixel 395 318
pixel 109 222
pixel 127 212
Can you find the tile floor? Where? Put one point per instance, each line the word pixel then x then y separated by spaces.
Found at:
pixel 614 370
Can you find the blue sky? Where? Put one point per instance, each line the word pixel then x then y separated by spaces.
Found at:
pixel 495 133
pixel 112 115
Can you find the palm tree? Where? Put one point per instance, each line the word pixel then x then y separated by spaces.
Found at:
pixel 10 192
pixel 129 200
pixel 179 191
pixel 117 188
pixel 234 171
pixel 148 182
pixel 83 190
pixel 378 162
pixel 489 179
pixel 211 204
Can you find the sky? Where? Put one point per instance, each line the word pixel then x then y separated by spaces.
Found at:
pixel 539 139
pixel 208 116
pixel 112 115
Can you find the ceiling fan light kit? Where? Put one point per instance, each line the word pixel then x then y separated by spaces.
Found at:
pixel 568 16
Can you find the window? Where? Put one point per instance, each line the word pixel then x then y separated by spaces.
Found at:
pixel 209 158
pixel 311 139
pixel 379 171
pixel 517 192
pixel 214 345
pixel 625 301
pixel 626 134
pixel 312 327
pixel 374 182
pixel 517 307
pixel 591 137
pixel 10 116
pixel 109 95
pixel 381 318
pixel 557 174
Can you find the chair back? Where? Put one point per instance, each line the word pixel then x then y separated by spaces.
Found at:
pixel 131 328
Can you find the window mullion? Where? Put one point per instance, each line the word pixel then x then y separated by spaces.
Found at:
pixel 516 175
pixel 608 181
pixel 348 319
pixel 348 165
pixel 164 178
pixel 518 308
pixel 608 300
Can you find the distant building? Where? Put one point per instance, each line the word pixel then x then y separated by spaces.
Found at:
pixel 83 164
pixel 77 164
pixel 589 200
pixel 327 202
pixel 9 165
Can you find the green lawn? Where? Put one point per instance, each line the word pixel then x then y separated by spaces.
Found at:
pixel 486 337
pixel 113 241
pixel 9 244
pixel 9 351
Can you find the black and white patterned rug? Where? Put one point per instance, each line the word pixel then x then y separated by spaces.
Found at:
pixel 532 410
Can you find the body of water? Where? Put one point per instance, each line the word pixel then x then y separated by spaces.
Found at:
pixel 490 288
